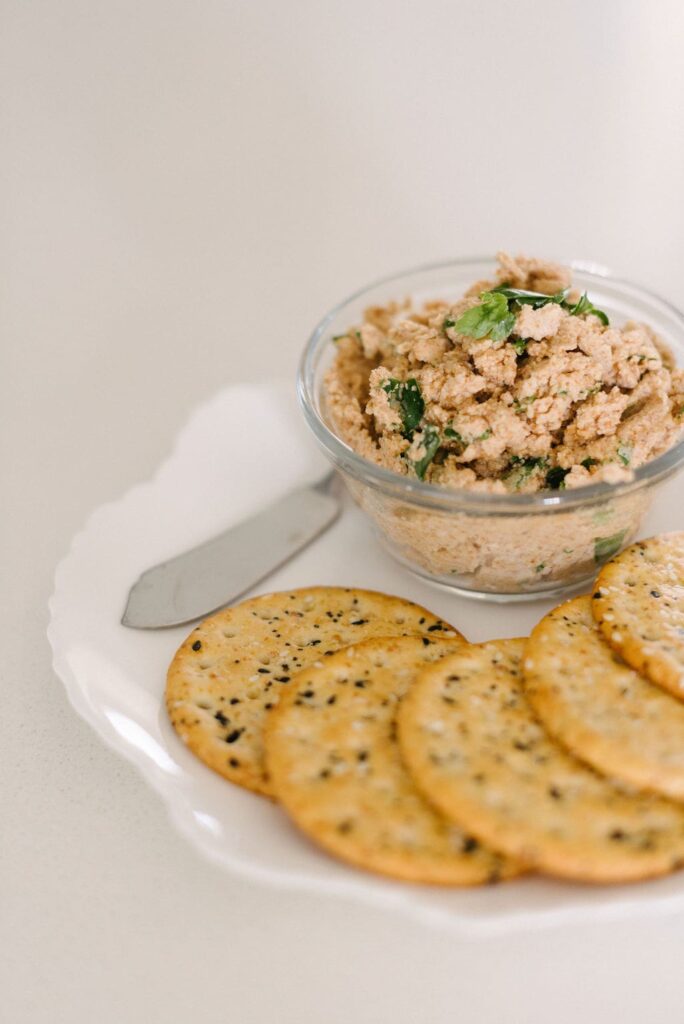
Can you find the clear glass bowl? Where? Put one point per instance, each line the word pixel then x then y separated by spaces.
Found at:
pixel 491 546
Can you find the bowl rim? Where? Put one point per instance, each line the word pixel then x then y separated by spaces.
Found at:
pixel 433 495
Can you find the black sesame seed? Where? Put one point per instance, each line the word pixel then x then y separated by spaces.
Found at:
pixel 220 717
pixel 233 762
pixel 282 679
pixel 426 642
pixel 362 755
pixel 360 684
pixel 358 622
pixel 656 593
pixel 197 646
pixel 306 693
pixel 617 835
pixel 264 671
pixel 437 628
pixel 331 700
pixel 470 844
pixel 555 793
pixel 234 735
pixel 234 700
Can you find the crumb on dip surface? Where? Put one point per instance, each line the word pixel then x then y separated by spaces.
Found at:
pixel 520 386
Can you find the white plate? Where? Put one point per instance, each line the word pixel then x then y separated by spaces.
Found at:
pixel 240 450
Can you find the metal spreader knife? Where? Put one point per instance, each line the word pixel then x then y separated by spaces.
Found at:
pixel 217 572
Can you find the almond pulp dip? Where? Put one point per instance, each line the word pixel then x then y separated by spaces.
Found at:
pixel 521 386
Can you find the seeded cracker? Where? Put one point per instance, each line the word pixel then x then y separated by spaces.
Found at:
pixel 228 675
pixel 639 605
pixel 599 707
pixel 475 749
pixel 334 760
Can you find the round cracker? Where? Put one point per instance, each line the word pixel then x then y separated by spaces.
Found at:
pixel 474 747
pixel 639 606
pixel 227 676
pixel 601 709
pixel 334 761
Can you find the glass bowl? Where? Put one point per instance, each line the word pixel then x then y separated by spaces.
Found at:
pixel 491 546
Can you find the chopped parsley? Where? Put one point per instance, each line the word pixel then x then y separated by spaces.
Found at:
pixel 521 404
pixel 431 443
pixel 585 306
pixel 519 344
pixel 519 470
pixel 555 478
pixel 589 462
pixel 463 442
pixel 407 398
pixel 624 454
pixel 606 547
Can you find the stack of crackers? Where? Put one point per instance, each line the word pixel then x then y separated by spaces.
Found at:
pixel 399 747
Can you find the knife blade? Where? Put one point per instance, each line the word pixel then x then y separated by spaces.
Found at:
pixel 217 572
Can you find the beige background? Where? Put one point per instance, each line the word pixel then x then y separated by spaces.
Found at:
pixel 186 187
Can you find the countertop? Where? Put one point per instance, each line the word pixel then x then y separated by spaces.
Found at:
pixel 187 187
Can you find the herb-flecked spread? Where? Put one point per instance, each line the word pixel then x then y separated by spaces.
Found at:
pixel 522 385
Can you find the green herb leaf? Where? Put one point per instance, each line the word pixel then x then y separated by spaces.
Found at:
pixel 585 306
pixel 624 454
pixel 490 319
pixel 519 344
pixel 525 298
pixel 407 397
pixel 431 442
pixel 520 404
pixel 589 462
pixel 606 547
pixel 555 478
pixel 463 442
pixel 519 470
pixel 540 567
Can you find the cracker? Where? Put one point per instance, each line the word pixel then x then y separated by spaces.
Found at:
pixel 226 678
pixel 334 760
pixel 474 747
pixel 601 709
pixel 639 606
